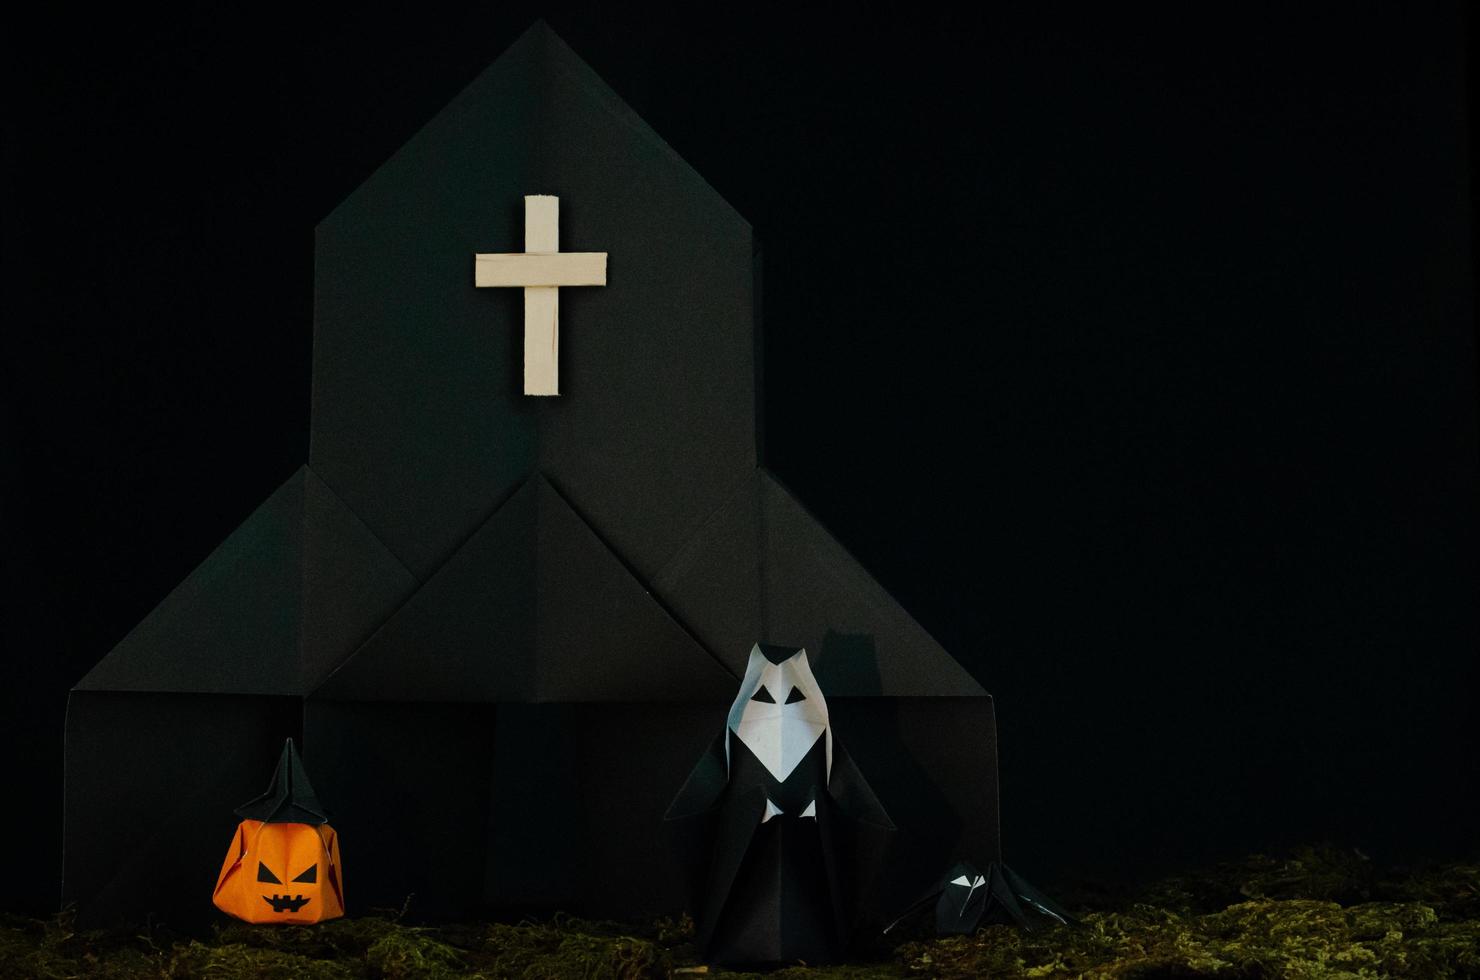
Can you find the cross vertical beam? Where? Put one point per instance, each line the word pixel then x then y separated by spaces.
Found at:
pixel 541 303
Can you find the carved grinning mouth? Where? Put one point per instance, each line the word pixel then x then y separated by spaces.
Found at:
pixel 282 903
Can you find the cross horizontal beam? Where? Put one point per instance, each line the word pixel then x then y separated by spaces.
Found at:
pixel 556 269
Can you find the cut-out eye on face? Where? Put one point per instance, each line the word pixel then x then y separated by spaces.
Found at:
pixel 310 876
pixel 795 696
pixel 264 873
pixel 963 881
pixel 763 696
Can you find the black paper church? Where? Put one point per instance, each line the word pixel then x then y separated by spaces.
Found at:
pixel 503 627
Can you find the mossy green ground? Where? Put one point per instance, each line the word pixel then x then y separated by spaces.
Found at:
pixel 1316 913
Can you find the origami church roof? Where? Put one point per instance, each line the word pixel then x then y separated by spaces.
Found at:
pixel 441 510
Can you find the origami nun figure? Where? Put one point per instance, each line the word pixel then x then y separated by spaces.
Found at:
pixel 283 864
pixel 781 831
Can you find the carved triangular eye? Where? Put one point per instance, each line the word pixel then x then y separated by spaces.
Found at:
pixel 264 873
pixel 963 881
pixel 763 696
pixel 795 696
pixel 310 876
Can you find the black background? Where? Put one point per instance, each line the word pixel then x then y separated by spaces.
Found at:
pixel 1134 353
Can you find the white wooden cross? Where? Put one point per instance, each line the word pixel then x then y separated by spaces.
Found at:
pixel 541 269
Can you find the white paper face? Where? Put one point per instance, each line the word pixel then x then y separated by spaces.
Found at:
pixel 780 713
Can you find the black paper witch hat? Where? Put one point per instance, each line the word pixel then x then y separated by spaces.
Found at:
pixel 290 798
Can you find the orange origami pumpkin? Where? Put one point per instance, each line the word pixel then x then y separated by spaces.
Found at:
pixel 283 865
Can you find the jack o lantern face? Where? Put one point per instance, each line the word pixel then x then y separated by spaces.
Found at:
pixel 281 872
